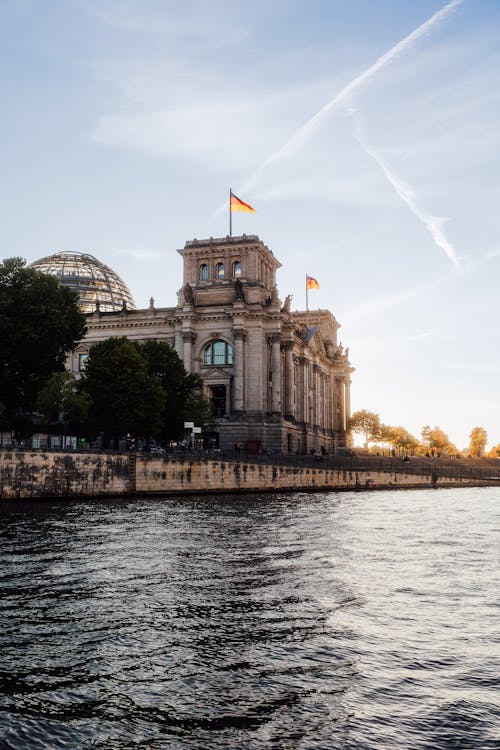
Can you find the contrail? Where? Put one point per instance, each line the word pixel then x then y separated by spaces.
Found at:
pixel 433 224
pixel 305 131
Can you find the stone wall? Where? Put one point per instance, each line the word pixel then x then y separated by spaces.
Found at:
pixel 37 474
pixel 33 474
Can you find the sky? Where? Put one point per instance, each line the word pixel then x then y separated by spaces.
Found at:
pixel 365 133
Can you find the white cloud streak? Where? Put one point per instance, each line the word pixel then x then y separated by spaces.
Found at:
pixel 400 298
pixel 308 129
pixel 433 224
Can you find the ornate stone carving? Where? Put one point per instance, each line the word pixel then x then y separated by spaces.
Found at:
pixel 238 289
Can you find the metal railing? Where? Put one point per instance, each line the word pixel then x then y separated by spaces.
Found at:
pixel 456 468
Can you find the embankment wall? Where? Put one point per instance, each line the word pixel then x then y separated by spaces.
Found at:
pixel 36 474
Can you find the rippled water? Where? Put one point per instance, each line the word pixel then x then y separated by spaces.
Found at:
pixel 353 620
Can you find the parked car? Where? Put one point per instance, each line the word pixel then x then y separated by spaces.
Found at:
pixel 157 450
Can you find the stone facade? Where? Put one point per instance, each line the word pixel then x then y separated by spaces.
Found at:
pixel 278 380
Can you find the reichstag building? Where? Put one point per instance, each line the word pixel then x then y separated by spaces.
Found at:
pixel 277 379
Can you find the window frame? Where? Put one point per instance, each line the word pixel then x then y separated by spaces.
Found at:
pixel 218 353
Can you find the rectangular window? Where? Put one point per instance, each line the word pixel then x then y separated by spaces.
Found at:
pixel 219 350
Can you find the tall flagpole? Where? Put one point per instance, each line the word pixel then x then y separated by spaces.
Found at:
pixel 307 295
pixel 230 214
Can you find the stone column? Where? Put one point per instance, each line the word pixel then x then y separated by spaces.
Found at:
pixel 238 382
pixel 276 373
pixel 316 390
pixel 341 403
pixel 347 400
pixel 188 338
pixel 289 379
pixel 178 343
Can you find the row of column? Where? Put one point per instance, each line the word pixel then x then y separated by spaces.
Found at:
pixel 329 405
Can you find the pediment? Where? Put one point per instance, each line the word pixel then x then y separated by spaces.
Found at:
pixel 314 340
pixel 215 375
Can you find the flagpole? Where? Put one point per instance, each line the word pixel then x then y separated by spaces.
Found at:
pixel 230 214
pixel 307 295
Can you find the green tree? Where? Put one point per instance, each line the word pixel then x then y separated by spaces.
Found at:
pixel 183 393
pixel 478 439
pixel 61 400
pixel 365 423
pixel 40 324
pixel 124 396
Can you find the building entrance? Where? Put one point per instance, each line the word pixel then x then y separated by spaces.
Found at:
pixel 218 400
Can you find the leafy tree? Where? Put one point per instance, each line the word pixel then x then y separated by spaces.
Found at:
pixel 124 396
pixel 183 393
pixel 427 436
pixel 365 423
pixel 404 440
pixel 478 439
pixel 435 439
pixel 142 389
pixel 61 400
pixel 439 439
pixel 385 435
pixel 40 323
pixel 494 452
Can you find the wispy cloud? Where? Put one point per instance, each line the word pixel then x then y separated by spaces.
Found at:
pixel 343 98
pixel 400 298
pixel 433 224
pixel 209 25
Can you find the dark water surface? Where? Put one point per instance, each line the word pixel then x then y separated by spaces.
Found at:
pixel 355 620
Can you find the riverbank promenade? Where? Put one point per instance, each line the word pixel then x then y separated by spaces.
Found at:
pixel 32 474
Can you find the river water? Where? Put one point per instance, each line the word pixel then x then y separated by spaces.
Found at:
pixel 354 620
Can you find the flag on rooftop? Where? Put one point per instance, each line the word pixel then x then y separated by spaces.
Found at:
pixel 311 283
pixel 236 204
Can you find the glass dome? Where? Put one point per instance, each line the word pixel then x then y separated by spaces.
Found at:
pixel 93 281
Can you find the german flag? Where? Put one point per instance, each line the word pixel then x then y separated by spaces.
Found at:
pixel 236 204
pixel 311 283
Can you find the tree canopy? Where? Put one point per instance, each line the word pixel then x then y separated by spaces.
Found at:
pixel 183 393
pixel 61 400
pixel 40 324
pixel 435 439
pixel 366 423
pixel 478 439
pixel 141 389
pixel 124 397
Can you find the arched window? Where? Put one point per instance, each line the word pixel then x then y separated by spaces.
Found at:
pixel 219 271
pixel 236 269
pixel 203 272
pixel 218 353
